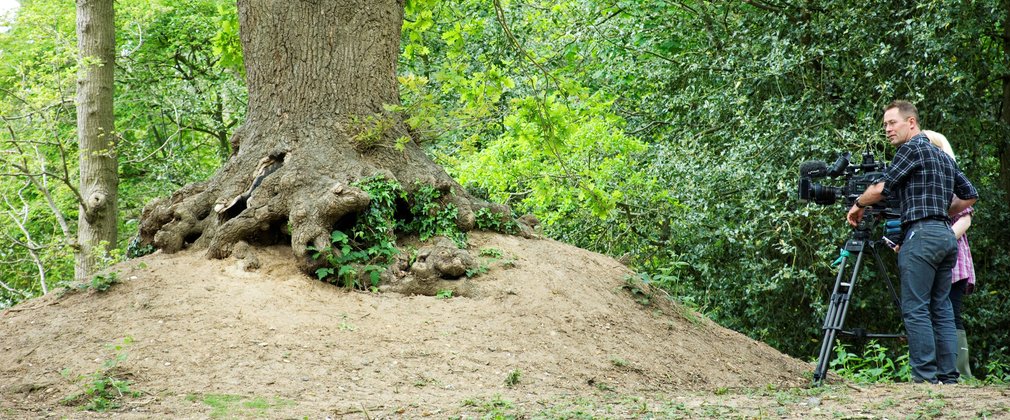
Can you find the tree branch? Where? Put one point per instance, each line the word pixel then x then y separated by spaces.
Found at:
pixel 43 186
pixel 9 289
pixel 763 6
pixel 664 234
pixel 29 244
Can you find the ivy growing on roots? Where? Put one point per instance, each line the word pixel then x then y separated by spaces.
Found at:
pixel 371 245
pixel 486 219
pixel 430 218
pixel 365 250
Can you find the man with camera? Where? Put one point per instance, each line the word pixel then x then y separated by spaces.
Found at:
pixel 930 187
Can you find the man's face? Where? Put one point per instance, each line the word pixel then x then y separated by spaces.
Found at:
pixel 897 127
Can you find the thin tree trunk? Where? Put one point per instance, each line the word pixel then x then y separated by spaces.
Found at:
pixel 1004 152
pixel 96 134
pixel 20 218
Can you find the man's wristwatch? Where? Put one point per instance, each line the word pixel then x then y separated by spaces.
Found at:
pixel 860 205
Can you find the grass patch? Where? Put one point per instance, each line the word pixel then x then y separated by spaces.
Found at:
pixel 576 409
pixel 931 409
pixel 229 405
pixel 513 378
pixel 494 408
pixel 345 324
pixel 487 259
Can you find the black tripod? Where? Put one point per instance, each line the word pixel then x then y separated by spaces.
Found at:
pixel 859 241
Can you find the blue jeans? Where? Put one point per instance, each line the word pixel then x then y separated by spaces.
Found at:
pixel 926 259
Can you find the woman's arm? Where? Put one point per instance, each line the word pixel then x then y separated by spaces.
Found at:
pixel 961 226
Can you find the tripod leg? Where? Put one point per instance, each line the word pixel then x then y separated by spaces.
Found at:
pixel 835 318
pixel 824 357
pixel 887 279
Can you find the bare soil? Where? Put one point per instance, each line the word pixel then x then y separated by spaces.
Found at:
pixel 549 330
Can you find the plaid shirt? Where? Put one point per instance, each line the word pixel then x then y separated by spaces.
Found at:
pixel 926 180
pixel 965 267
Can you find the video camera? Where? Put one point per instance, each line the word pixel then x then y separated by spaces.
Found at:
pixel 856 177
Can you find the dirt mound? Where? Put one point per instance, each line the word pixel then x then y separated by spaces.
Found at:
pixel 546 319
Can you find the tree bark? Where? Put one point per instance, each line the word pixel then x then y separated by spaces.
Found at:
pixel 320 75
pixel 96 136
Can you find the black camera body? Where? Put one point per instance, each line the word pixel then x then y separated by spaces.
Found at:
pixel 856 178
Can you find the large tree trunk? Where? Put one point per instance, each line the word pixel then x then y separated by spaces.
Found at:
pixel 96 136
pixel 319 75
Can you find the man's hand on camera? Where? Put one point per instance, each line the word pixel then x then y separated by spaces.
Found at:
pixel 855 215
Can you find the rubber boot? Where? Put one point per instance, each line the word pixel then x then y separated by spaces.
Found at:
pixel 962 355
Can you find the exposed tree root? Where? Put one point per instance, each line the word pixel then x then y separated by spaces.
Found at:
pixel 296 188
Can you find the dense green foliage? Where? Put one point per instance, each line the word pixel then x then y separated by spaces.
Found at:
pixel 38 134
pixel 178 97
pixel 668 133
pixel 672 133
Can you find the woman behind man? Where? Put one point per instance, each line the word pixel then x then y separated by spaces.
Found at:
pixel 964 271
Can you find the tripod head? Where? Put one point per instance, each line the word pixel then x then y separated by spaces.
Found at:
pixel 871 219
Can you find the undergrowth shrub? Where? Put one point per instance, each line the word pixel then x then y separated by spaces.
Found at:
pixel 486 219
pixel 874 365
pixel 103 282
pixel 997 371
pixel 102 389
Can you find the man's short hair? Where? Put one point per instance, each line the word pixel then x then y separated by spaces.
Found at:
pixel 905 108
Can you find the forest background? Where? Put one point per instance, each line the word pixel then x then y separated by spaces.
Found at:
pixel 666 133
